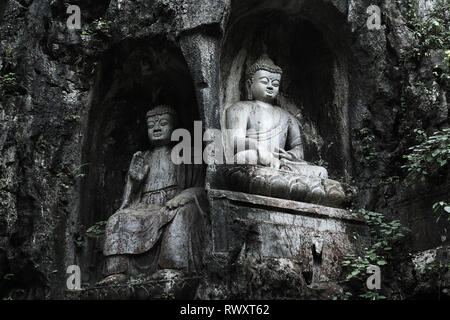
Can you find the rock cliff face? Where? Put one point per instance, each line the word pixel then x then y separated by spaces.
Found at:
pixel 71 100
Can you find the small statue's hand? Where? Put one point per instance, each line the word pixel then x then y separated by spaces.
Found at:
pixel 181 199
pixel 138 170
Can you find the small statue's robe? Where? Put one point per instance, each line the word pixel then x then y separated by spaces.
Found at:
pixel 149 234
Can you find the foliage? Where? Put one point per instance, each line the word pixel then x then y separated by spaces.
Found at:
pixel 435 272
pixel 78 241
pixel 385 235
pixel 390 180
pixel 9 51
pixel 98 228
pixel 430 155
pixel 321 163
pixel 438 268
pixel 68 177
pixel 7 82
pixel 77 172
pixel 433 31
pixel 369 155
pixel 99 27
pixel 8 276
pixel 372 295
pixel 441 207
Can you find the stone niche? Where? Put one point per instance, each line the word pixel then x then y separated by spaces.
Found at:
pixel 305 41
pixel 273 247
pixel 133 77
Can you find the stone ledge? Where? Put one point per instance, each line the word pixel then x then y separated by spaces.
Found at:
pixel 170 286
pixel 306 185
pixel 293 207
pixel 259 228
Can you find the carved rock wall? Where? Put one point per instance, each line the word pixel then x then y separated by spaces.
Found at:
pixel 56 117
pixel 275 248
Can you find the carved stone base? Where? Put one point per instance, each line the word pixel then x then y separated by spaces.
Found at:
pixel 291 247
pixel 166 284
pixel 269 182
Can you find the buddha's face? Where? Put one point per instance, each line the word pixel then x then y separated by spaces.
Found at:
pixel 265 86
pixel 160 128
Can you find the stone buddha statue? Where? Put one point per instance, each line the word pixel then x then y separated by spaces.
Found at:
pixel 271 135
pixel 160 222
pixel 266 144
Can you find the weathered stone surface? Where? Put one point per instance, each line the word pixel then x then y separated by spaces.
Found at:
pixel 284 184
pixel 432 270
pixel 74 93
pixel 166 284
pixel 276 240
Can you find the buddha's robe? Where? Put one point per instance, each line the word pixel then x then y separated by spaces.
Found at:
pixel 278 130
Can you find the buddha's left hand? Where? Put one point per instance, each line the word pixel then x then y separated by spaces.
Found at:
pixel 181 199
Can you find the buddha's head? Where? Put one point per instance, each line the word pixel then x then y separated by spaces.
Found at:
pixel 263 80
pixel 161 122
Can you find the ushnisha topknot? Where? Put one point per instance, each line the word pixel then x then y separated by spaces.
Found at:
pixel 162 109
pixel 263 63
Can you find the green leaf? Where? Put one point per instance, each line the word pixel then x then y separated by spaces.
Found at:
pixel 8 276
pixel 355 273
pixel 381 263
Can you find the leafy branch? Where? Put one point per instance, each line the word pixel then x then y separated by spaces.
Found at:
pixel 429 156
pixel 441 207
pixel 385 236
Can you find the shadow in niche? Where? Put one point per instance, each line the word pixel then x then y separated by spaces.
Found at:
pixel 313 85
pixel 134 78
pixel 3 4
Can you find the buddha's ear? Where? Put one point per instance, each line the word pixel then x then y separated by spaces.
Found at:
pixel 248 86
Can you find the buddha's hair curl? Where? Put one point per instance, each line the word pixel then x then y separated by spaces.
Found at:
pixel 263 63
pixel 163 109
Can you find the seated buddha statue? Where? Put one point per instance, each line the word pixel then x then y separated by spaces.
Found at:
pixel 159 224
pixel 270 135
pixel 265 146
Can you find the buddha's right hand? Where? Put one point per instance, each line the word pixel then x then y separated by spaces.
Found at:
pixel 138 171
pixel 266 158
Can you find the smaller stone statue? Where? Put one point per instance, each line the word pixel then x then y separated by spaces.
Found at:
pixel 160 222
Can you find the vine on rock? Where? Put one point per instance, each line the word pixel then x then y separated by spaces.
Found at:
pixel 385 237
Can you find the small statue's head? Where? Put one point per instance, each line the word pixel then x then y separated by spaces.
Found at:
pixel 161 122
pixel 263 80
